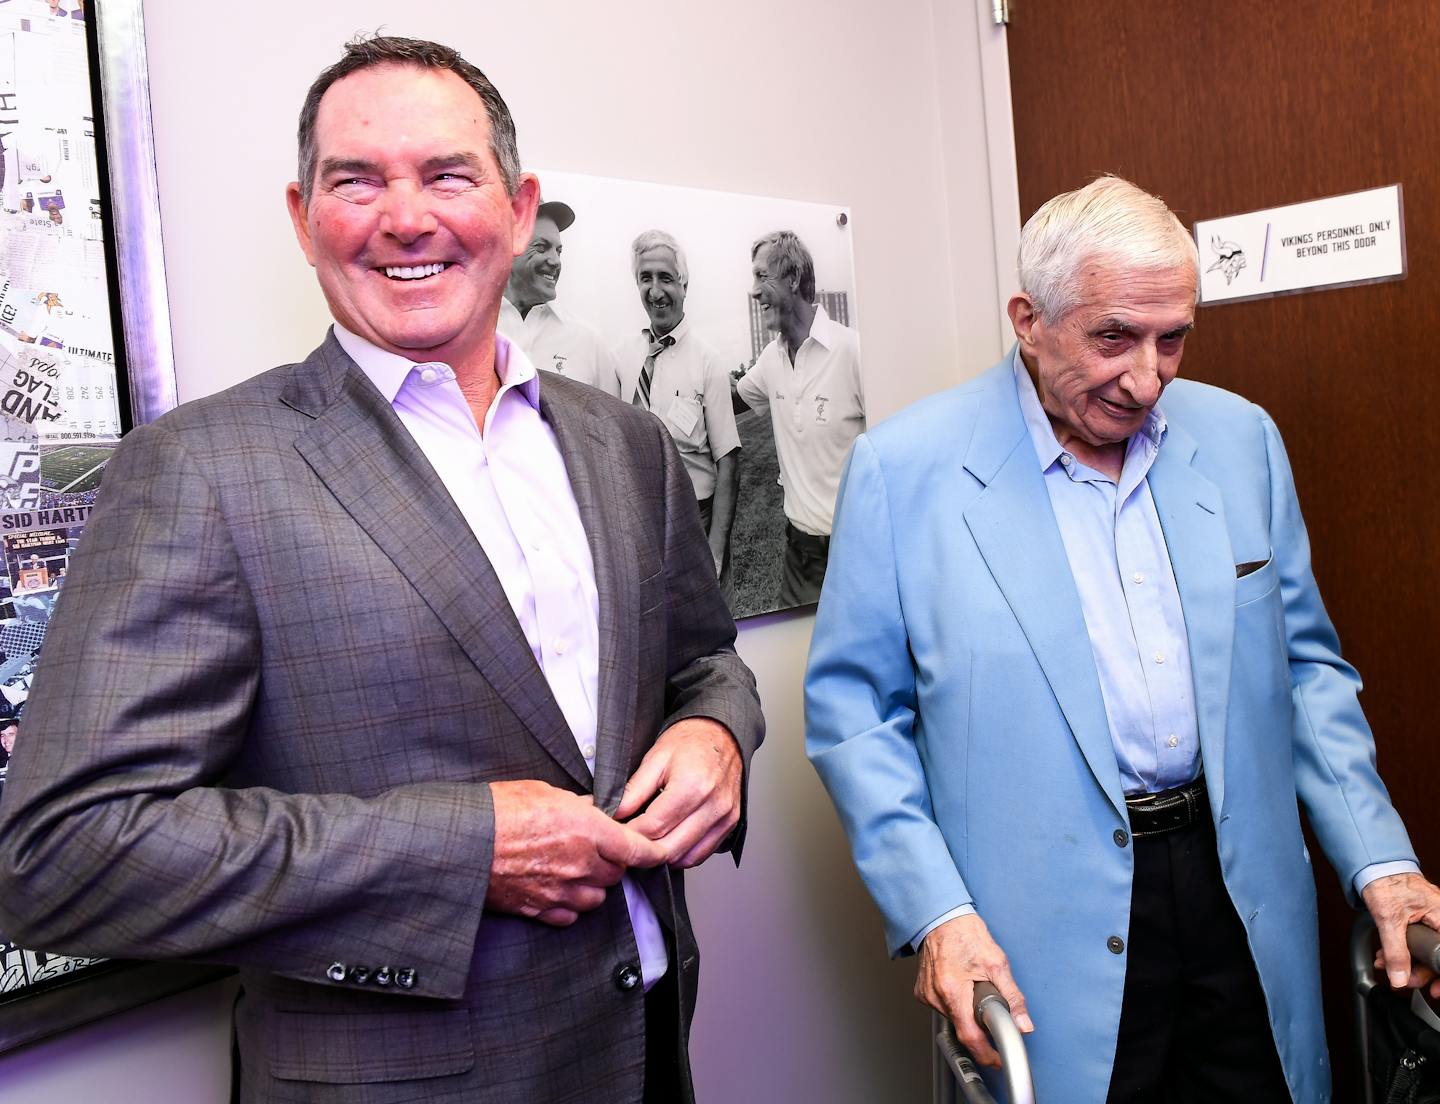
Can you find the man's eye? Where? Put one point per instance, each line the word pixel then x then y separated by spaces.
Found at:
pixel 353 187
pixel 450 182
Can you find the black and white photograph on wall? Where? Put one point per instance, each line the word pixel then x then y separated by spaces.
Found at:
pixel 732 319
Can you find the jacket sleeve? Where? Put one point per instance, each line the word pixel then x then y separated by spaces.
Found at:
pixel 705 677
pixel 1334 750
pixel 118 834
pixel 861 715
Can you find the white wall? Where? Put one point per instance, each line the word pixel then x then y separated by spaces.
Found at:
pixel 878 107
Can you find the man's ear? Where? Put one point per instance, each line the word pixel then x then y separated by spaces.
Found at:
pixel 298 219
pixel 1023 318
pixel 523 205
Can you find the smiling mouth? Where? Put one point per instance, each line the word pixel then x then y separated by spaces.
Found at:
pixel 1121 411
pixel 415 272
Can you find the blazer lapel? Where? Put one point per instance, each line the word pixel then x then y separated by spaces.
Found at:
pixel 578 424
pixel 362 452
pixel 1014 528
pixel 1193 519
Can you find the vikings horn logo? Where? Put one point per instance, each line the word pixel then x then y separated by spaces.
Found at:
pixel 1230 258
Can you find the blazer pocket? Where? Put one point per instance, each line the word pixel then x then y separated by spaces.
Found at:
pixel 651 591
pixel 1257 583
pixel 343 1048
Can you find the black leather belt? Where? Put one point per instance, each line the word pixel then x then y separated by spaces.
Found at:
pixel 1154 814
pixel 804 539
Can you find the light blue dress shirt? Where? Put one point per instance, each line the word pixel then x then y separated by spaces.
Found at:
pixel 1128 595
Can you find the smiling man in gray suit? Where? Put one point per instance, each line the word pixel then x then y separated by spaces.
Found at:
pixel 411 533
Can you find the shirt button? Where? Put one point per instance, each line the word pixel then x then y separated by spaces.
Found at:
pixel 588 751
pixel 1159 657
pixel 1115 944
pixel 1138 577
pixel 560 645
pixel 428 375
pixel 1066 459
pixel 1174 741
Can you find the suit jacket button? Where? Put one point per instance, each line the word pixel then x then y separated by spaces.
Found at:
pixel 382 976
pixel 627 977
pixel 405 977
pixel 1121 837
pixel 359 974
pixel 1116 944
pixel 336 971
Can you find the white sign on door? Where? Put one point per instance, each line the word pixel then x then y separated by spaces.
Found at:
pixel 1349 239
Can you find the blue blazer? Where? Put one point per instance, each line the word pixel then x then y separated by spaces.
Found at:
pixel 954 712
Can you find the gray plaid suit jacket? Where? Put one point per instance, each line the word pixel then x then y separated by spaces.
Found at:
pixel 280 673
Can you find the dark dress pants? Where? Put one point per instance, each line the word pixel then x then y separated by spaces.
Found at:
pixel 665 1080
pixel 803 571
pixel 1193 1027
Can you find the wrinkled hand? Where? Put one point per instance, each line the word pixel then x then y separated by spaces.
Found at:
pixel 953 958
pixel 556 853
pixel 695 770
pixel 1396 902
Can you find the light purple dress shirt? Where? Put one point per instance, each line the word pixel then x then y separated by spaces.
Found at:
pixel 511 486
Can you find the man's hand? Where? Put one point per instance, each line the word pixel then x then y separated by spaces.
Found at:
pixel 1396 902
pixel 953 958
pixel 695 770
pixel 556 853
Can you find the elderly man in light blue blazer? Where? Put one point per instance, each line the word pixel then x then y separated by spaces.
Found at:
pixel 1071 672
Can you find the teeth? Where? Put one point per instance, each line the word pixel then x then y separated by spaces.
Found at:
pixel 415 272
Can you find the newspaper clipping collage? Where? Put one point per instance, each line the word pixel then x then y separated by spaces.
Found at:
pixel 59 409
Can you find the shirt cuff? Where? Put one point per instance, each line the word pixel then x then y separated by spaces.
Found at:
pixel 963 910
pixel 1381 870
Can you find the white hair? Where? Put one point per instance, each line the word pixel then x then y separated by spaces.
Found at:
pixel 658 239
pixel 1110 221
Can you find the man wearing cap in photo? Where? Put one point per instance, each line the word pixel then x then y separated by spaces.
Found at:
pixel 808 377
pixel 553 338
pixel 670 370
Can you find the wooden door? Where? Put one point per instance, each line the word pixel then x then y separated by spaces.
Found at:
pixel 1224 106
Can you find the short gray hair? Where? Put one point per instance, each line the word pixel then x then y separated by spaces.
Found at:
pixel 1109 220
pixel 376 50
pixel 790 258
pixel 658 239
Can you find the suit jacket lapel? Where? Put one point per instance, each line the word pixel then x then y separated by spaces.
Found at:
pixel 1192 517
pixel 595 478
pixel 1014 528
pixel 362 452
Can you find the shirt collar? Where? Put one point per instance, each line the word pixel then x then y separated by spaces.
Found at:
pixel 510 316
pixel 678 333
pixel 390 372
pixel 822 328
pixel 1042 433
